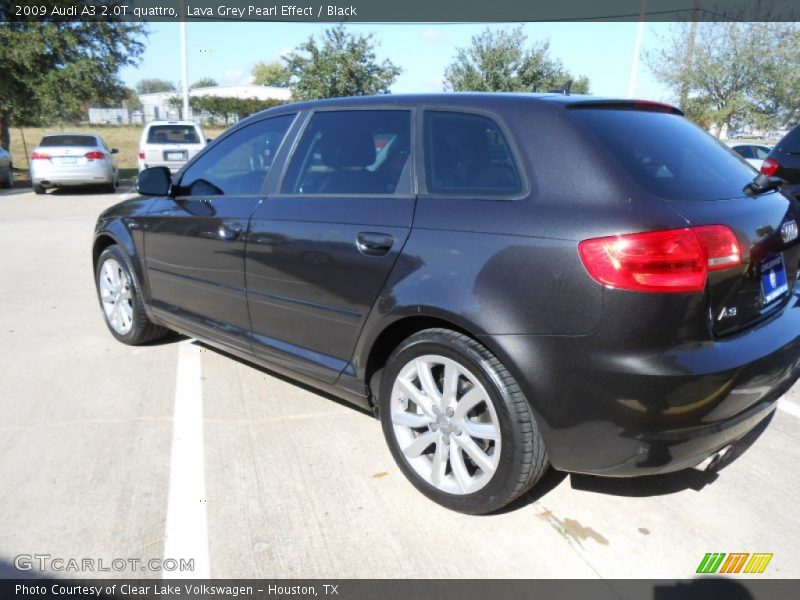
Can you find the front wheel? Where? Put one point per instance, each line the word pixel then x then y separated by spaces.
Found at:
pixel 458 424
pixel 121 300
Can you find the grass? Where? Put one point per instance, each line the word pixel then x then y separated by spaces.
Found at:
pixel 123 137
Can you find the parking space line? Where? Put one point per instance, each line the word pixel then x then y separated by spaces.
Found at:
pixel 789 407
pixel 187 525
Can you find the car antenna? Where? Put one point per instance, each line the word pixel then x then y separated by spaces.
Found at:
pixel 564 89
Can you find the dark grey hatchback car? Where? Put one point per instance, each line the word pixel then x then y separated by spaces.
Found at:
pixel 508 281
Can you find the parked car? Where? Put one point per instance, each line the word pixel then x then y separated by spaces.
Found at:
pixel 170 144
pixel 6 169
pixel 784 159
pixel 508 281
pixel 754 154
pixel 73 159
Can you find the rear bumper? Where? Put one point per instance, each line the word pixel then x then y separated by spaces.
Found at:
pixel 50 176
pixel 608 411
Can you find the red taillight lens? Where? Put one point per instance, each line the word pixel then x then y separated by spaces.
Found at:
pixel 40 156
pixel 141 155
pixel 674 260
pixel 769 167
pixel 95 156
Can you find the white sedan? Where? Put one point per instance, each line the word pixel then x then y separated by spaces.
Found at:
pixel 752 153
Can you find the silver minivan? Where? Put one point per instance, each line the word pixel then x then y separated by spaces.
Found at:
pixel 170 144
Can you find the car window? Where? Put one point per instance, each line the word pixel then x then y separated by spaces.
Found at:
pixel 467 154
pixel 667 154
pixel 68 140
pixel 173 134
pixel 744 151
pixel 239 163
pixel 351 152
pixel 761 152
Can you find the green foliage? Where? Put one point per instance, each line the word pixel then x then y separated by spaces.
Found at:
pixel 203 83
pixel 155 86
pixel 343 64
pixel 273 73
pixel 737 74
pixel 498 61
pixel 50 71
pixel 224 108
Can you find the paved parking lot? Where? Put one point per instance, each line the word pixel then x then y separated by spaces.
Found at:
pixel 268 479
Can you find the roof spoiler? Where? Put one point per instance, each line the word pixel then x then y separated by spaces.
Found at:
pixel 643 105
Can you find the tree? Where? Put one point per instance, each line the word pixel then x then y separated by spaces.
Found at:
pixel 203 83
pixel 50 71
pixel 735 74
pixel 343 64
pixel 273 73
pixel 155 86
pixel 498 61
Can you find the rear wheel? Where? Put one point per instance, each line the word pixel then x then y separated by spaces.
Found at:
pixel 111 188
pixel 457 423
pixel 121 300
pixel 38 189
pixel 8 181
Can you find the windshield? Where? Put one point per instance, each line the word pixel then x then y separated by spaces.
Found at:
pixel 173 134
pixel 667 154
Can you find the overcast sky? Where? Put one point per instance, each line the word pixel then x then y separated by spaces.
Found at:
pixel 227 51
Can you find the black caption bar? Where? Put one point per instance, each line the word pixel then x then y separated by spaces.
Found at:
pixel 704 588
pixel 409 11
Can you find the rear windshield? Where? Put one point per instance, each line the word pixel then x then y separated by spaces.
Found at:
pixel 173 134
pixel 791 142
pixel 667 154
pixel 68 140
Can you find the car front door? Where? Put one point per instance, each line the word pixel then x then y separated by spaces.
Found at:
pixel 321 248
pixel 195 240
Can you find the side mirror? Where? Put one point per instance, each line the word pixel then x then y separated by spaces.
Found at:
pixel 155 181
pixel 114 151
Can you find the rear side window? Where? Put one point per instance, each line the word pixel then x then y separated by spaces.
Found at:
pixel 238 164
pixel 68 140
pixel 351 152
pixel 667 154
pixel 744 151
pixel 173 134
pixel 467 154
pixel 791 142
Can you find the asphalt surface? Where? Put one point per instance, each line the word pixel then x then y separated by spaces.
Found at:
pixel 262 478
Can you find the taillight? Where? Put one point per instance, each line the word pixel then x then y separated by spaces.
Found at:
pixel 40 156
pixel 95 156
pixel 769 167
pixel 141 155
pixel 673 260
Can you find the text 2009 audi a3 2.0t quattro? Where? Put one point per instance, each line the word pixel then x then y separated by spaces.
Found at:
pixel 509 281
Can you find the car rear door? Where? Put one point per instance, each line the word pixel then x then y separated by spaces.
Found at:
pixel 195 241
pixel 320 248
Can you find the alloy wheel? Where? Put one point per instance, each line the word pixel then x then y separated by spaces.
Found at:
pixel 115 294
pixel 445 424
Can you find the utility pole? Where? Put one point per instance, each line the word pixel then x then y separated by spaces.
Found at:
pixel 687 61
pixel 184 64
pixel 637 49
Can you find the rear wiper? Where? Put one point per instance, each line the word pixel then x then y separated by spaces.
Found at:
pixel 762 184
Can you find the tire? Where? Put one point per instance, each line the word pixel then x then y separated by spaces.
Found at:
pixel 8 182
pixel 111 188
pixel 121 301
pixel 484 436
pixel 38 190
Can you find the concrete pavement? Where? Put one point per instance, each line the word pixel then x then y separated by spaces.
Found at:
pixel 296 484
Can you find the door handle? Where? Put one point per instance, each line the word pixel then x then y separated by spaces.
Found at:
pixel 229 233
pixel 374 244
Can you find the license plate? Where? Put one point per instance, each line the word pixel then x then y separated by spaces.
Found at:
pixel 175 156
pixel 773 278
pixel 68 160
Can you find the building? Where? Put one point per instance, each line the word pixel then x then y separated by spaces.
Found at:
pixel 157 106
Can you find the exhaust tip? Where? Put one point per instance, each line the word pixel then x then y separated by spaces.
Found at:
pixel 711 463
